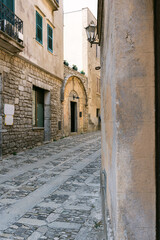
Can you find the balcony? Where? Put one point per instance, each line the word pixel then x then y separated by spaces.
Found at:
pixel 55 4
pixel 11 30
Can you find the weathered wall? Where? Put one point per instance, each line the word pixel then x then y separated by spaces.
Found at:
pixel 93 60
pixel 128 121
pixel 18 78
pixel 34 51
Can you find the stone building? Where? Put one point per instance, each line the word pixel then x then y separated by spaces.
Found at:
pixel 77 52
pixel 74 96
pixel 31 73
pixel 129 37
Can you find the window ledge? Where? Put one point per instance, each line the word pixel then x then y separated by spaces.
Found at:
pixel 38 128
pixel 50 51
pixel 41 44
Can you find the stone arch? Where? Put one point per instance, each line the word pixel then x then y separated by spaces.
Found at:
pixel 66 79
pixel 74 93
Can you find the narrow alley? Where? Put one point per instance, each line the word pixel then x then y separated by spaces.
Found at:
pixel 53 191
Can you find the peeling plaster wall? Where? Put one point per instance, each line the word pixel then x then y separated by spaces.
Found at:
pixel 128 120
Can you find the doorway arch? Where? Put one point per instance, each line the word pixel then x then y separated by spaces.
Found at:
pixel 75 106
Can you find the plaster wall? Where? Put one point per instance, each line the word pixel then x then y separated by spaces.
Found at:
pixel 34 51
pixel 128 120
pixel 94 100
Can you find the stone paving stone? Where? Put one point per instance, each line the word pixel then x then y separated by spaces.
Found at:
pixel 69 211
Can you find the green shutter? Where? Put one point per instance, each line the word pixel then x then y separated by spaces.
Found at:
pixel 40 115
pixel 50 38
pixel 40 107
pixel 9 4
pixel 39 28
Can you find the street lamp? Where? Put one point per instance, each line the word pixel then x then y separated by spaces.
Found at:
pixel 91 31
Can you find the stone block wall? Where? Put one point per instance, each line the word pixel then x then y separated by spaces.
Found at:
pixel 18 78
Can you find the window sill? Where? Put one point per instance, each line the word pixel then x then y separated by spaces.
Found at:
pixel 51 52
pixel 41 44
pixel 38 128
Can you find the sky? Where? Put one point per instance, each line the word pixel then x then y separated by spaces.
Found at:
pixel 72 5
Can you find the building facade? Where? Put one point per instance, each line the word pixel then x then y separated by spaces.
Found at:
pixel 31 73
pixel 77 52
pixel 130 194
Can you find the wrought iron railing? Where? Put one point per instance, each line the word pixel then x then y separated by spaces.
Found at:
pixel 10 23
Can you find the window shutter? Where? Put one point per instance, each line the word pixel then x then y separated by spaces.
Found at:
pixel 9 4
pixel 39 28
pixel 50 38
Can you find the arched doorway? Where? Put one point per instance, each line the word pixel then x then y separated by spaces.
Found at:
pixel 75 106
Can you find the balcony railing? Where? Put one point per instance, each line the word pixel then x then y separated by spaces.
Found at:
pixel 10 23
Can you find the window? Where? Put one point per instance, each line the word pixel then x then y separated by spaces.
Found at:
pixel 39 28
pixel 97 112
pixel 38 107
pixel 50 38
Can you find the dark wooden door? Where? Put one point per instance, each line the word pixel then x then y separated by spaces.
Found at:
pixel 73 117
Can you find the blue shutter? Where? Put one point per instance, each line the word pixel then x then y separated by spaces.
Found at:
pixel 39 28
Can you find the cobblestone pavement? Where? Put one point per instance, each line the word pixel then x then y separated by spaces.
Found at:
pixel 52 191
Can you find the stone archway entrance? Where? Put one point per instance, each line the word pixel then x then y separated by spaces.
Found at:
pixel 75 107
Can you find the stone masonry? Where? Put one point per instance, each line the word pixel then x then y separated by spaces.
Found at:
pixel 17 79
pixel 71 72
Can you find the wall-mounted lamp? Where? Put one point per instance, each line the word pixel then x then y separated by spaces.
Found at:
pixel 74 97
pixel 91 31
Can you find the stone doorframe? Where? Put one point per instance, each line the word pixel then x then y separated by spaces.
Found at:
pixel 47 108
pixel 76 100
